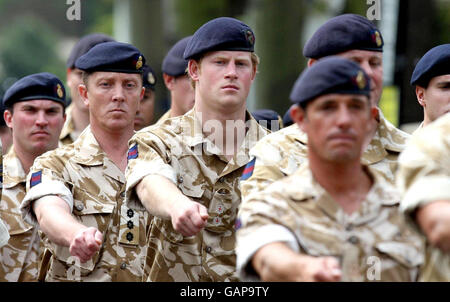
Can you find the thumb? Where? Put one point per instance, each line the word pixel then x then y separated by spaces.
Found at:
pixel 203 212
pixel 98 237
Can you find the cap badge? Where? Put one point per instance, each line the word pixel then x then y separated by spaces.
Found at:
pixel 250 37
pixel 59 91
pixel 360 80
pixel 377 38
pixel 139 63
pixel 151 78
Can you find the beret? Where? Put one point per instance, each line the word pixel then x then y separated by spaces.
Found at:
pixel 2 109
pixel 174 63
pixel 434 63
pixel 38 86
pixel 287 120
pixel 343 33
pixel 84 44
pixel 267 116
pixel 149 77
pixel 112 57
pixel 222 33
pixel 330 75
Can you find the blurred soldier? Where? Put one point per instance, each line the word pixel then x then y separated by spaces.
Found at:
pixel 144 116
pixel 281 153
pixel 34 110
pixel 76 192
pixel 177 81
pixel 268 118
pixel 5 132
pixel 424 180
pixel 287 120
pixel 432 80
pixel 77 112
pixel 186 171
pixel 4 235
pixel 334 218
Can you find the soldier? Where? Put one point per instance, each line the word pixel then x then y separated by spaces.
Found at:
pixel 76 192
pixel 5 132
pixel 34 110
pixel 281 153
pixel 177 81
pixel 268 118
pixel 4 235
pixel 432 80
pixel 144 116
pixel 77 112
pixel 334 218
pixel 186 170
pixel 424 180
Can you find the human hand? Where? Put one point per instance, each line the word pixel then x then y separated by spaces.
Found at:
pixel 86 243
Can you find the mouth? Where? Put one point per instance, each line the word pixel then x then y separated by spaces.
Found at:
pixel 117 110
pixel 230 87
pixel 342 137
pixel 40 133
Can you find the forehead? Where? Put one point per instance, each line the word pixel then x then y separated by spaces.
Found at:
pixel 39 104
pixel 228 54
pixel 361 54
pixel 445 78
pixel 339 98
pixel 99 75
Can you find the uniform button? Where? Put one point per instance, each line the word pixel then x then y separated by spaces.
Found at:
pixel 130 213
pixel 353 240
pixel 223 191
pixel 130 236
pixel 130 224
pixel 208 249
pixel 349 227
pixel 180 179
pixel 122 194
pixel 222 180
pixel 79 206
pixel 123 265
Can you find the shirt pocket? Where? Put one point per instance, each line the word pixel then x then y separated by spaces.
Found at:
pixel 91 212
pixel 16 225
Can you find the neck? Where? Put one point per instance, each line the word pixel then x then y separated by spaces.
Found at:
pixel 114 144
pixel 25 158
pixel 175 110
pixel 80 119
pixel 226 128
pixel 348 183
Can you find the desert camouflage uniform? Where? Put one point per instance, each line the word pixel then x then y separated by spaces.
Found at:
pixel 164 117
pixel 93 187
pixel 281 153
pixel 373 243
pixel 179 151
pixel 67 135
pixel 423 177
pixel 19 259
pixel 4 235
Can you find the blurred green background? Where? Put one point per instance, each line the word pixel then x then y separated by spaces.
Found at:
pixel 36 36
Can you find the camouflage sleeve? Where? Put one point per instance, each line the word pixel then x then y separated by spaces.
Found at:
pixel 424 173
pixel 148 155
pixel 4 235
pixel 265 218
pixel 45 178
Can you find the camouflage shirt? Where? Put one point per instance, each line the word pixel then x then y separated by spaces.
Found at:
pixel 164 117
pixel 423 177
pixel 19 259
pixel 4 235
pixel 281 153
pixel 178 150
pixel 371 244
pixel 93 187
pixel 68 134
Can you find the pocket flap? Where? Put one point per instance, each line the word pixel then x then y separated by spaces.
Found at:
pixel 403 253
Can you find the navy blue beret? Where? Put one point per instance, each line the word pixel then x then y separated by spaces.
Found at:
pixel 174 63
pixel 343 33
pixel 330 75
pixel 149 78
pixel 2 109
pixel 38 86
pixel 287 119
pixel 267 116
pixel 435 62
pixel 83 46
pixel 222 33
pixel 112 57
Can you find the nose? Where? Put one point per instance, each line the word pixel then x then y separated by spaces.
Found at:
pixel 118 95
pixel 41 119
pixel 344 118
pixel 231 70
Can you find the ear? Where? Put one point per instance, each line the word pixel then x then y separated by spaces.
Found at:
pixel 169 81
pixel 142 94
pixel 420 94
pixel 311 62
pixel 374 112
pixel 298 115
pixel 194 70
pixel 7 116
pixel 82 90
